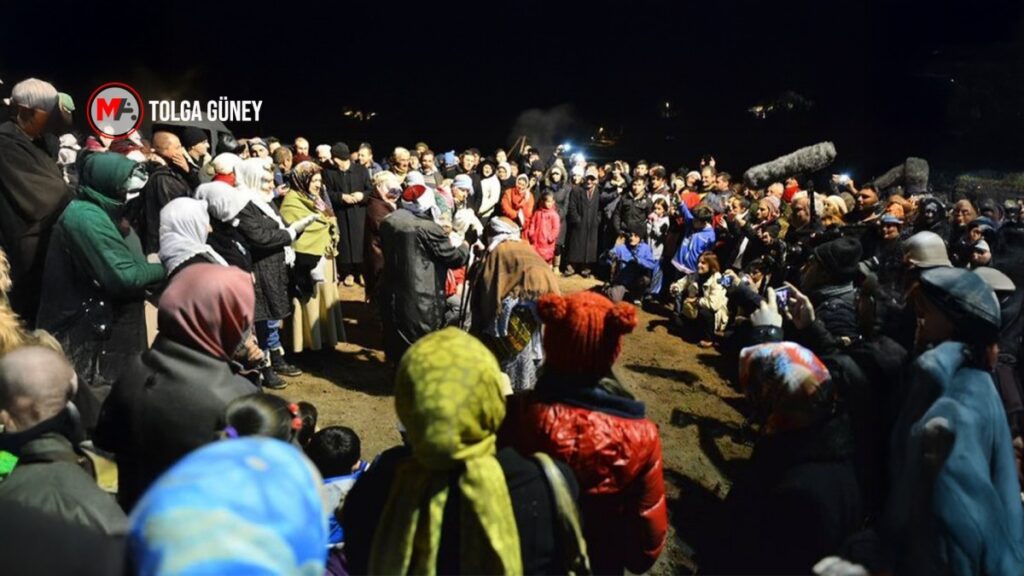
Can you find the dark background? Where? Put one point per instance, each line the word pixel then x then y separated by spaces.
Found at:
pixel 943 80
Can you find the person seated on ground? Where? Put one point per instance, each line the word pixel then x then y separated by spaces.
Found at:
pixel 582 414
pixel 96 278
pixel 172 398
pixel 955 504
pixel 699 238
pixel 336 451
pixel 702 307
pixel 263 415
pixel 799 493
pixel 40 465
pixel 450 501
pixel 245 506
pixel 633 264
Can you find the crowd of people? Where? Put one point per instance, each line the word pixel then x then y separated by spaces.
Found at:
pixel 152 290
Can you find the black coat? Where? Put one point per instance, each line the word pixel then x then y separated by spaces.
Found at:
pixel 417 256
pixel 165 184
pixel 351 217
pixel 168 402
pixel 632 213
pixel 560 192
pixel 266 242
pixel 32 196
pixel 532 505
pixel 583 217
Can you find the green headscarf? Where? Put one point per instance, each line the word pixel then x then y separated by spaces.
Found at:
pixel 103 177
pixel 448 396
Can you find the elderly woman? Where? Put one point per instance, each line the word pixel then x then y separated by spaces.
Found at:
pixel 184 229
pixel 249 233
pixel 171 399
pixel 450 501
pixel 317 322
pixel 505 287
pixel 95 279
pixel 800 492
pixel 383 200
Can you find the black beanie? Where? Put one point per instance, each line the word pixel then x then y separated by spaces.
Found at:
pixel 840 257
pixel 192 136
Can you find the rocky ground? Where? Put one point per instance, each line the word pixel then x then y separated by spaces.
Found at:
pixel 683 386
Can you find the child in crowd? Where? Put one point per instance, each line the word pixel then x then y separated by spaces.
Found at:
pixel 309 415
pixel 336 451
pixel 544 228
pixel 263 415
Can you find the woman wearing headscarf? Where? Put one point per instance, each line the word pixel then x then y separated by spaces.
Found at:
pixel 517 202
pixel 247 226
pixel 171 399
pixel 799 500
pixel 383 200
pixel 317 322
pixel 184 228
pixel 505 288
pixel 96 278
pixel 242 506
pixel 581 414
pixel 450 501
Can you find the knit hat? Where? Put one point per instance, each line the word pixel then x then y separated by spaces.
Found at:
pixel 257 141
pixel 415 178
pixel 463 181
pixel 192 136
pixel 838 203
pixel 926 250
pixel 965 297
pixel 583 332
pixel 341 151
pixel 786 384
pixel 840 257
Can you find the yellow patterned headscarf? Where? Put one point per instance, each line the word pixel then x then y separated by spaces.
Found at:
pixel 448 397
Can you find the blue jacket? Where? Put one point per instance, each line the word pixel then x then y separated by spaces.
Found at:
pixel 962 515
pixel 692 247
pixel 631 262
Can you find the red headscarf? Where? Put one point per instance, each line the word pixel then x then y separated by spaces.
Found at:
pixel 208 307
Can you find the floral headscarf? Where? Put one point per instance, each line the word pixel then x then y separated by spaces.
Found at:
pixel 787 384
pixel 302 178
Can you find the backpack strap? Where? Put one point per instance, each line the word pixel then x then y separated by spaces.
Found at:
pixel 574 547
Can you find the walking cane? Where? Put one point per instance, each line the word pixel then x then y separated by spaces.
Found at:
pixel 466 287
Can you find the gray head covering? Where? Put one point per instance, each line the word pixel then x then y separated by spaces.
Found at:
pixel 34 93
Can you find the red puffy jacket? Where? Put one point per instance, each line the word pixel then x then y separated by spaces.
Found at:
pixel 617 461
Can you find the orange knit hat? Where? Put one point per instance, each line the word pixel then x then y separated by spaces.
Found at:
pixel 583 332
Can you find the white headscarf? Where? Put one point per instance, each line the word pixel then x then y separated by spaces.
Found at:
pixel 250 174
pixel 184 226
pixel 224 200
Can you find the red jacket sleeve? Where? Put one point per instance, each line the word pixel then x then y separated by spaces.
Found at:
pixel 649 516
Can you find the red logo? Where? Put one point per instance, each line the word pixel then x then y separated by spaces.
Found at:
pixel 115 110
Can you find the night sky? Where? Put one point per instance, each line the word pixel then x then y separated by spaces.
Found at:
pixel 943 80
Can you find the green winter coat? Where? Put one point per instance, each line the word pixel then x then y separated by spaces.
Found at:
pixel 95 279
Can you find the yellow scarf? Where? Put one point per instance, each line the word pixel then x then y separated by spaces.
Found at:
pixel 448 396
pixel 320 238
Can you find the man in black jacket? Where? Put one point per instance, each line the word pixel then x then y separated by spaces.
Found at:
pixel 32 192
pixel 633 209
pixel 348 187
pixel 167 182
pixel 417 256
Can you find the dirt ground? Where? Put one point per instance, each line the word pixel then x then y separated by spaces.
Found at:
pixel 695 408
